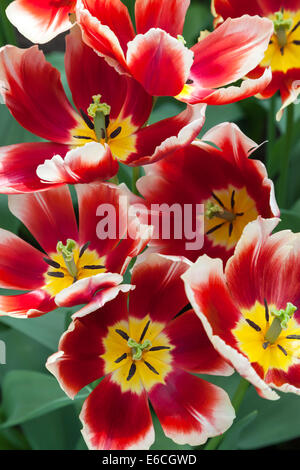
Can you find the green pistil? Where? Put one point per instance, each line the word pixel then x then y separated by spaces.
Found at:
pixel 280 322
pixel 68 256
pixel 137 348
pixel 181 39
pixel 281 27
pixel 98 111
pixel 213 210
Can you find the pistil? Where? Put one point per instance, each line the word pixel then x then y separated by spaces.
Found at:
pixel 213 210
pixel 282 26
pixel 100 113
pixel 138 348
pixel 279 323
pixel 68 256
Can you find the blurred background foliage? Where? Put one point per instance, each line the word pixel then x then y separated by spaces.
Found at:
pixel 34 412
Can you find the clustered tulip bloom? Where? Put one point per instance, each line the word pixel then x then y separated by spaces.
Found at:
pixel 231 304
pixel 250 309
pixel 283 53
pixel 75 266
pixel 144 352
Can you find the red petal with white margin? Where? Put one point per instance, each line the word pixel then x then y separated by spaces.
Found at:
pixel 101 38
pixel 32 304
pixel 210 297
pixel 114 14
pixel 159 62
pixel 82 291
pixel 21 266
pixel 166 15
pixel 40 20
pixel 190 409
pixel 159 289
pixel 33 93
pixel 116 420
pixel 77 362
pixel 91 162
pixel 231 51
pixel 49 216
pixel 231 94
pixel 193 351
pixel 252 266
pixel 157 141
pixel 18 164
pixel 288 382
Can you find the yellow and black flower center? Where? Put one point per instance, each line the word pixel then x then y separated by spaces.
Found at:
pixel 138 354
pixel 97 126
pixel 269 337
pixel 283 52
pixel 227 213
pixel 71 264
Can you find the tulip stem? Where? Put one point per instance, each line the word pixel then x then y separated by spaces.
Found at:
pixel 271 133
pixel 239 395
pixel 7 30
pixel 285 159
pixel 135 177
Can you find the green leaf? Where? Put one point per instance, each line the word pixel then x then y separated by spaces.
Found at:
pixel 198 18
pixel 28 395
pixel 232 436
pixel 290 219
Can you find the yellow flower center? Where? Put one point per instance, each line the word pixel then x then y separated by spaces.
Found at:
pixel 227 213
pixel 283 52
pixel 96 126
pixel 137 353
pixel 264 341
pixel 63 273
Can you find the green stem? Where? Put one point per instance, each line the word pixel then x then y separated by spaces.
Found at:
pixel 271 132
pixel 135 177
pixel 285 161
pixel 239 395
pixel 7 30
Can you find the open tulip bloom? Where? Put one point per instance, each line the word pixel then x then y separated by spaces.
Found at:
pixel 283 53
pixel 157 56
pixel 144 352
pixel 75 266
pixel 85 145
pixel 216 172
pixel 250 310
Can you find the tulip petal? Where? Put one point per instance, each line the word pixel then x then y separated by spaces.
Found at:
pixel 190 409
pixel 168 16
pixel 30 305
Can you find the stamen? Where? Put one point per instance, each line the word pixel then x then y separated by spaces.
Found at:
pixel 296 42
pixel 282 50
pixel 123 334
pixel 151 367
pixel 266 311
pixel 144 331
pixel 52 263
pixel 282 349
pixel 239 214
pixel 214 228
pixel 83 249
pixel 83 137
pixel 107 121
pixel 94 266
pixel 87 120
pixel 132 371
pixel 189 81
pixel 293 337
pixel 253 325
pixel 116 132
pixel 266 344
pixel 159 348
pixel 295 27
pixel 56 274
pixel 121 358
pixel 218 200
pixel 232 202
pixel 230 229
